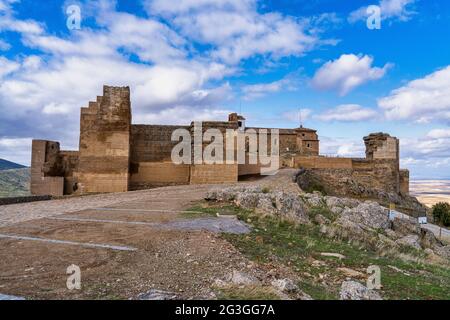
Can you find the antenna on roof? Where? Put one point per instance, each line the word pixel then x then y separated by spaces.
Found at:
pixel 240 106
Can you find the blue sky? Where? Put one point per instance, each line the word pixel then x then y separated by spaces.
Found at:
pixel 200 59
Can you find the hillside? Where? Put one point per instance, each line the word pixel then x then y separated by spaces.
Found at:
pixel 14 182
pixel 7 165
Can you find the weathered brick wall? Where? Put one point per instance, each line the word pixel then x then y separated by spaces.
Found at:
pixel 379 170
pixel 44 161
pixel 156 174
pixel 404 181
pixel 104 154
pixel 288 142
pixel 70 161
pixel 214 174
pixel 381 146
pixel 322 162
pixel 152 143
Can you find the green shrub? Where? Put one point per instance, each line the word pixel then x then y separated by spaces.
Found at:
pixel 441 213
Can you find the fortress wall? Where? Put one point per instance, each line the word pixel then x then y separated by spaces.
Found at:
pixel 379 174
pixel 288 142
pixel 151 150
pixel 404 181
pixel 152 143
pixel 45 158
pixel 214 173
pixel 105 143
pixel 70 161
pixel 322 163
pixel 155 174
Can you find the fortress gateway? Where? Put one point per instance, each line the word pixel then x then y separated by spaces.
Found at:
pixel 116 156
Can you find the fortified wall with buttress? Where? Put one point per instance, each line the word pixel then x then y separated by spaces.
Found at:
pixel 117 156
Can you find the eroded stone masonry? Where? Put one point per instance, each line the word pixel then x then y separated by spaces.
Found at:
pixel 117 156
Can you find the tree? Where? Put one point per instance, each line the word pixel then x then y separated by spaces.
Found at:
pixel 441 213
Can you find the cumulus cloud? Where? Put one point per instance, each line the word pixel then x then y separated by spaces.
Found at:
pixel 346 73
pixel 9 23
pixel 420 100
pixel 348 112
pixel 7 67
pixel 426 147
pixel 439 134
pixel 254 91
pixel 390 9
pixel 342 147
pixel 170 79
pixel 16 149
pixel 40 92
pixel 235 30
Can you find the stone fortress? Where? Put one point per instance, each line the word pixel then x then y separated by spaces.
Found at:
pixel 117 156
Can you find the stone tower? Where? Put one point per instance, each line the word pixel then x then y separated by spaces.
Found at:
pixel 104 155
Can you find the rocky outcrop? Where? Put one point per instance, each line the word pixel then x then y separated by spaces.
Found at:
pixel 339 182
pixel 282 204
pixel 345 218
pixel 366 214
pixel 352 290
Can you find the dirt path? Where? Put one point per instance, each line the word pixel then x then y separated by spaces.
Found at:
pixel 180 259
pixel 125 244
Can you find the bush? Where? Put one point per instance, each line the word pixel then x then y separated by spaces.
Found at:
pixel 441 213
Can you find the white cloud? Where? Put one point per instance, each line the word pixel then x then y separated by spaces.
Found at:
pixel 40 96
pixel 16 149
pixel 4 46
pixel 182 115
pixel 9 23
pixel 421 100
pixel 439 134
pixel 342 147
pixel 347 73
pixel 259 90
pixel 390 9
pixel 348 112
pixel 7 67
pixel 433 145
pixel 235 29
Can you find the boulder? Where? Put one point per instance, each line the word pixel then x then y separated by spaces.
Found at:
pixel 285 285
pixel 404 226
pixel 352 290
pixel 241 278
pixel 411 240
pixel 313 199
pixel 290 206
pixel 367 214
pixel 428 239
pixel 247 200
pixel 341 202
pixel 266 205
pixel 443 251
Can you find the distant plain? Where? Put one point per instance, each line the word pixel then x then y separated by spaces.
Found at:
pixel 430 192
